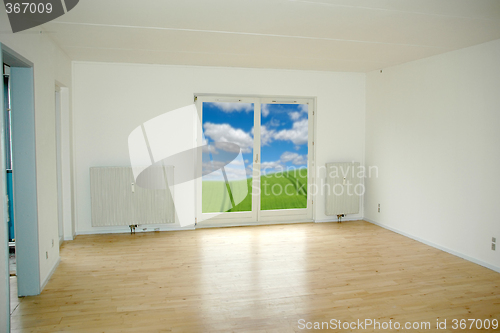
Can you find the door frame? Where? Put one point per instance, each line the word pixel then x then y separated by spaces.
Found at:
pixel 4 233
pixel 59 164
pixel 257 217
pixel 218 219
pixel 24 172
pixel 296 215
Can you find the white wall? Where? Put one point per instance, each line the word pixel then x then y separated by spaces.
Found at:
pixel 432 128
pixel 51 64
pixel 110 100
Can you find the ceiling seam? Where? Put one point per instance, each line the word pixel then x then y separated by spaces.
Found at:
pixel 392 10
pixel 245 34
pixel 220 53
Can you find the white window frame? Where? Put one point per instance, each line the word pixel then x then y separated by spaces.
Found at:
pixel 256 216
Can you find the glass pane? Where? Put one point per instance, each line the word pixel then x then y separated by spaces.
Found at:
pixel 284 149
pixel 227 157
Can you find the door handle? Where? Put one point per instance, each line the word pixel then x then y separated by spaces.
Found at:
pixel 257 158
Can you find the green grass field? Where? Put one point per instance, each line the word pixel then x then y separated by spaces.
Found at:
pixel 281 190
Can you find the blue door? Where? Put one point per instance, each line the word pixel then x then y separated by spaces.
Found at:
pixel 11 206
pixel 8 155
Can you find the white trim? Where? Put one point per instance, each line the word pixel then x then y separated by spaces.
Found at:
pixel 439 247
pixel 59 164
pixel 284 215
pixel 73 157
pixel 47 278
pixel 363 161
pixel 344 219
pixel 314 177
pixel 125 230
pixel 69 238
pixel 65 160
pixel 249 224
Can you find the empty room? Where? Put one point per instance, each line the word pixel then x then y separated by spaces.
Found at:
pixel 250 166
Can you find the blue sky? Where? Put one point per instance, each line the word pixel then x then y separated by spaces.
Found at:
pixel 284 132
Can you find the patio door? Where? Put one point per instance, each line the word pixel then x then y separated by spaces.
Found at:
pixel 255 160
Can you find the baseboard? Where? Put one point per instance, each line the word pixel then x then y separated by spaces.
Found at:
pixel 437 246
pixel 202 225
pixel 47 279
pixel 344 219
pixel 125 230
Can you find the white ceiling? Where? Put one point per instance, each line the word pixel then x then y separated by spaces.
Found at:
pixel 327 35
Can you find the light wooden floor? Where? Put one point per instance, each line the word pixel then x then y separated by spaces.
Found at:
pixel 14 300
pixel 255 279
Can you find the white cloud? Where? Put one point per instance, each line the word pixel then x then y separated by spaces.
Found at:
pixel 274 122
pixel 265 110
pixel 295 158
pixel 272 165
pixel 237 162
pixel 235 170
pixel 279 165
pixel 213 165
pixel 211 170
pixel 231 147
pixel 294 115
pixel 269 167
pixel 213 176
pixel 266 135
pixel 298 134
pixel 234 107
pixel 207 148
pixel 303 108
pixel 222 133
pixel 226 133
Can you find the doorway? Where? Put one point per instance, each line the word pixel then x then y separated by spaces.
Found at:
pixel 8 168
pixel 256 161
pixel 18 150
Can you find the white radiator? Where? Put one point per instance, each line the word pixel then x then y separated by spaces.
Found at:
pixel 116 200
pixel 343 187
